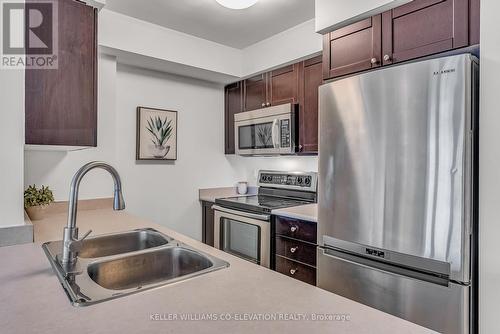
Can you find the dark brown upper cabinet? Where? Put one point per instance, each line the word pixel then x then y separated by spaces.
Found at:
pixel 424 27
pixel 354 48
pixel 296 83
pixel 417 29
pixel 61 104
pixel 269 89
pixel 255 92
pixel 312 78
pixel 283 85
pixel 233 105
pixel 474 14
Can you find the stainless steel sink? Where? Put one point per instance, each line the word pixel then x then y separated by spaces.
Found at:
pixel 147 268
pixel 120 264
pixel 120 243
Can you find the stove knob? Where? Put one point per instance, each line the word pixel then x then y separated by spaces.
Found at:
pixel 308 180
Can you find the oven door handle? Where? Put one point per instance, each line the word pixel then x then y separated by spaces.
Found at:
pixel 242 213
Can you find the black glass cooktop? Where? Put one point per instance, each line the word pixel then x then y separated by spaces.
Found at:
pixel 259 203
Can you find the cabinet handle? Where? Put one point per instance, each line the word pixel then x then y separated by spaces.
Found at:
pixel 268 104
pixel 263 104
pixel 301 148
pixel 374 61
pixel 293 271
pixel 387 58
pixel 294 228
pixel 294 249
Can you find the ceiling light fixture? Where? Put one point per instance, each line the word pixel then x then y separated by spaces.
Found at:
pixel 237 4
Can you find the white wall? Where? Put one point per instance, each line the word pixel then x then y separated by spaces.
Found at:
pixel 56 169
pixel 333 14
pixel 166 193
pixel 288 46
pixel 11 147
pixel 143 44
pixel 489 170
pixel 125 33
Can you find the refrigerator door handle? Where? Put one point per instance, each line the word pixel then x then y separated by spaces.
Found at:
pixel 386 267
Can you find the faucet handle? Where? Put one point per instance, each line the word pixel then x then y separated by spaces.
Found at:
pixel 76 245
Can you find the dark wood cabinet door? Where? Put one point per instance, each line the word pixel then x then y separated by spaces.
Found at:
pixel 255 92
pixel 474 20
pixel 312 78
pixel 296 250
pixel 233 105
pixel 283 85
pixel 296 229
pixel 207 223
pixel 297 270
pixel 61 104
pixel 424 27
pixel 351 49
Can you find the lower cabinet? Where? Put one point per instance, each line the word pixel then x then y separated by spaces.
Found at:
pixel 295 269
pixel 207 214
pixel 294 249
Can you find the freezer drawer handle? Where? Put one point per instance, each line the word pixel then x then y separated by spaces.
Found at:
pixel 386 267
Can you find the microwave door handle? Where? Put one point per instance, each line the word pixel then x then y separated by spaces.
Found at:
pixel 276 134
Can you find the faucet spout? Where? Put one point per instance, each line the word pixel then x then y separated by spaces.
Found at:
pixel 70 236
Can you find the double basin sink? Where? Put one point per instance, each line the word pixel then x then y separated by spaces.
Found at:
pixel 119 264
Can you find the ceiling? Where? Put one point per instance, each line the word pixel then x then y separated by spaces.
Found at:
pixel 209 20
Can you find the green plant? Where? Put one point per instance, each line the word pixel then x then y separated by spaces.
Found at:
pixel 35 197
pixel 161 130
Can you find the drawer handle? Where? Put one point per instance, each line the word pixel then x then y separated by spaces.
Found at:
pixel 294 249
pixel 293 271
pixel 294 228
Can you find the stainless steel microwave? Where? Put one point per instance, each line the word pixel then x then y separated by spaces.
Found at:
pixel 268 131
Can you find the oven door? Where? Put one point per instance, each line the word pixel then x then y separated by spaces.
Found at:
pixel 243 234
pixel 265 132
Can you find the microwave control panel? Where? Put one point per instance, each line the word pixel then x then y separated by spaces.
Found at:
pixel 285 132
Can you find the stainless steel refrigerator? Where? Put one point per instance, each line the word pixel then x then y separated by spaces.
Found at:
pixel 397 191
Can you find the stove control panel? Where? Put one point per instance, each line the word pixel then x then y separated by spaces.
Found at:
pixel 297 180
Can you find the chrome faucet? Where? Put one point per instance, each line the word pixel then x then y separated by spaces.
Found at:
pixel 71 244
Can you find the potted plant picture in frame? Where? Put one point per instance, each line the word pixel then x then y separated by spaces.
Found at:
pixel 36 200
pixel 156 134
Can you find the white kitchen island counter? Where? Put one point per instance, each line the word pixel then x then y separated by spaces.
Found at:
pixel 33 301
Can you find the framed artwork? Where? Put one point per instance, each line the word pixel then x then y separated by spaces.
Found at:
pixel 156 134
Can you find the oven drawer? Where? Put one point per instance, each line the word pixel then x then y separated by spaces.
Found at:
pixel 296 229
pixel 296 250
pixel 296 270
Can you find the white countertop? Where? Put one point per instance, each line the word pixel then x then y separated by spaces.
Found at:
pixel 33 301
pixel 211 194
pixel 308 212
